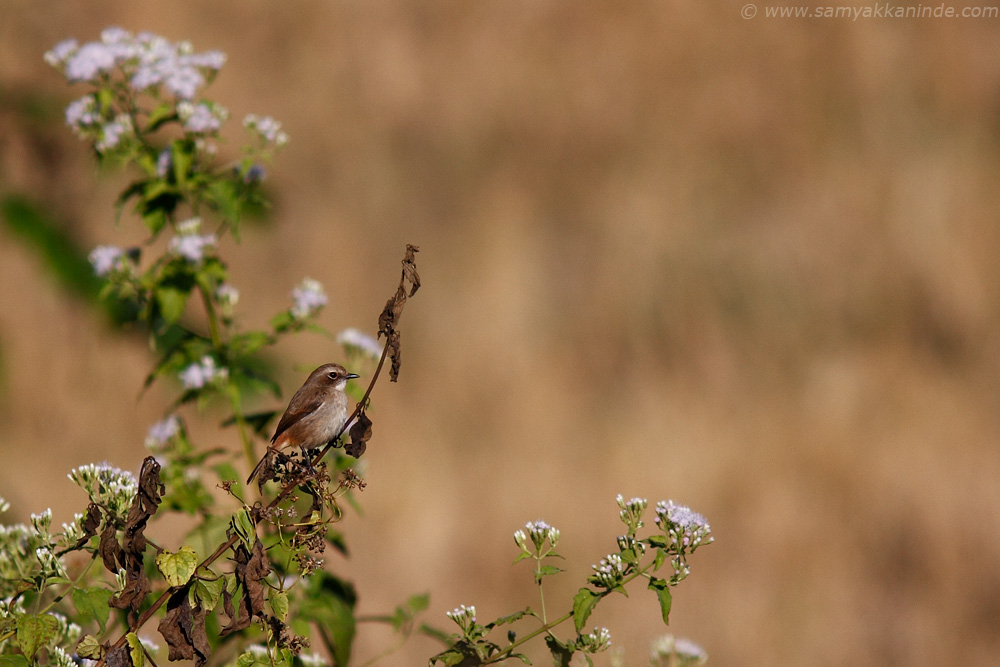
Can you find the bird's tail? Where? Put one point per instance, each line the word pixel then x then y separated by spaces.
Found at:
pixel 256 468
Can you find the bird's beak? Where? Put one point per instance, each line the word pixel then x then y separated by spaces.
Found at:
pixel 351 376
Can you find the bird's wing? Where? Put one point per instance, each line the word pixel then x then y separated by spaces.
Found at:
pixel 296 411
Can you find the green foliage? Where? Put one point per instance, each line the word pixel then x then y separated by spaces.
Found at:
pixel 92 604
pixel 35 631
pixel 177 568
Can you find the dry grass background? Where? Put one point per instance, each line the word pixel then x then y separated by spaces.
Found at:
pixel 748 265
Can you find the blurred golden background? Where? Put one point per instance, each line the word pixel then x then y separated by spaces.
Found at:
pixel 749 265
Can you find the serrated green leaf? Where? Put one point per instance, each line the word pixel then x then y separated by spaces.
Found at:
pixel 13 661
pixel 509 618
pixel 206 592
pixel 449 658
pixel 282 321
pixel 92 603
pixel 177 568
pixel 90 647
pixel 659 559
pixel 135 650
pixel 35 631
pixel 244 528
pixel 549 570
pixel 163 113
pixel 155 220
pixel 562 652
pixel 172 302
pixel 226 201
pixel 662 589
pixel 279 603
pixel 182 157
pixel 657 541
pixel 583 604
pixel 521 556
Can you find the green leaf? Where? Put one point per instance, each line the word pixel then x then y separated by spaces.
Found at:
pixel 450 657
pixel 549 570
pixel 279 603
pixel 659 559
pixel 510 618
pixel 177 568
pixel 223 195
pixel 657 541
pixel 172 302
pixel 244 528
pixel 35 631
pixel 206 592
pixel 182 157
pixel 13 661
pixel 330 603
pixel 161 114
pixel 135 650
pixel 662 590
pixel 583 604
pixel 562 653
pixel 283 321
pixel 522 556
pixel 155 220
pixel 90 647
pixel 92 603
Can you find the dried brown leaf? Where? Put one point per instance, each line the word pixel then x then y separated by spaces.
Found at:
pixel 410 268
pixel 395 355
pixel 251 570
pixel 119 657
pixel 133 546
pixel 183 628
pixel 110 550
pixel 91 522
pixel 361 433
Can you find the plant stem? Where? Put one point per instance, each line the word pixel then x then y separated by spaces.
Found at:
pixel 213 321
pixel 505 653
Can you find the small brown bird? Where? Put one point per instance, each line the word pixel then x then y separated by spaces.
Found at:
pixel 315 415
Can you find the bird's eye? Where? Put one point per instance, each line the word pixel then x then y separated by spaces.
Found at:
pixel 332 375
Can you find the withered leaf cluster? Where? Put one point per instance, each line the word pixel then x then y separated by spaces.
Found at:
pixel 251 569
pixel 128 555
pixel 183 628
pixel 388 321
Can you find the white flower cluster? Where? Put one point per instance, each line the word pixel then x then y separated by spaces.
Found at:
pixel 106 485
pixel 162 432
pixel 72 532
pixel 464 616
pixel 596 641
pixel 202 118
pixel 631 512
pixel 106 258
pixel 686 529
pixel 202 373
pixel 537 532
pixel 267 129
pixel 356 341
pixel 145 61
pixel 609 572
pixel 189 244
pixel 309 297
